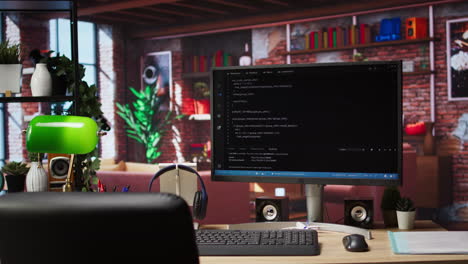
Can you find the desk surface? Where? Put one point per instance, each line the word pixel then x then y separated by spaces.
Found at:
pixel 332 251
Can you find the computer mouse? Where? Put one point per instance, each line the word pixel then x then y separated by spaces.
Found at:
pixel 355 243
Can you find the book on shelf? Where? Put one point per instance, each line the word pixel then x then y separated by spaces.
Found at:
pixel 364 34
pixel 325 39
pixel 339 37
pixel 330 37
pixel 202 67
pixel 307 41
pixel 320 39
pixel 351 34
pixel 334 39
pixel 225 59
pixel 316 40
pixel 345 37
pixel 219 58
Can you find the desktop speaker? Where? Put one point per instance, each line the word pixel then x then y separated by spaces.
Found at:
pixel 272 209
pixel 58 165
pixel 416 27
pixel 359 213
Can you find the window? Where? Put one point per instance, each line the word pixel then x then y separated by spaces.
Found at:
pixel 60 43
pixel 2 113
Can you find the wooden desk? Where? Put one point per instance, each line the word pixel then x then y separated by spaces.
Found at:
pixel 332 251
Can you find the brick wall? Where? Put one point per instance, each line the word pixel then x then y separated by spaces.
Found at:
pixel 416 95
pixel 178 137
pixel 447 114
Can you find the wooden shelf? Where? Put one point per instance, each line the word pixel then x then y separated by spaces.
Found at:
pixel 361 46
pixel 426 72
pixel 26 99
pixel 192 75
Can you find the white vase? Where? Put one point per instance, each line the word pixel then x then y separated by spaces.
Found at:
pixel 36 179
pixel 41 81
pixel 406 219
pixel 10 76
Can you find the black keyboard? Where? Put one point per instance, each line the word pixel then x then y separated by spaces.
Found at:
pixel 286 242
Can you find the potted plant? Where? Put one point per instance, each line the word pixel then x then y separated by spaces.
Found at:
pixel 15 175
pixel 390 198
pixel 36 179
pixel 406 213
pixel 10 67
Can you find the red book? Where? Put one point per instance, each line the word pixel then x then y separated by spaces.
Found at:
pixel 202 63
pixel 312 40
pixel 368 35
pixel 320 39
pixel 219 58
pixel 330 37
pixel 362 33
pixel 339 37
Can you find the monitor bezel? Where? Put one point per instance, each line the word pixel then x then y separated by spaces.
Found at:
pixel 304 180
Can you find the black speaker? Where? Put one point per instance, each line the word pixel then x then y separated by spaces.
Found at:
pixel 359 213
pixel 272 209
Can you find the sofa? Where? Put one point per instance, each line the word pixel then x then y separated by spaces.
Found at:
pixel 228 202
pixel 232 202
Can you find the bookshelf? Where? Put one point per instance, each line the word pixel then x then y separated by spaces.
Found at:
pixel 361 46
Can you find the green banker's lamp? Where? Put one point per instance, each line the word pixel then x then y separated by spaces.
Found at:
pixel 62 134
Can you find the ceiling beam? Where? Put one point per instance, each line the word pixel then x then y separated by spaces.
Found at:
pixel 122 19
pixel 275 19
pixel 172 12
pixel 122 5
pixel 201 8
pixel 234 4
pixel 276 2
pixel 145 16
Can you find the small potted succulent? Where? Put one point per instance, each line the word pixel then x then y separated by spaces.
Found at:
pixel 10 68
pixel 406 213
pixel 390 198
pixel 15 175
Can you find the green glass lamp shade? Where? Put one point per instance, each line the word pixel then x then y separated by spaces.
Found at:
pixel 62 134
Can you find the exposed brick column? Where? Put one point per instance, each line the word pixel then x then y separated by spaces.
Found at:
pixel 14 120
pixel 107 85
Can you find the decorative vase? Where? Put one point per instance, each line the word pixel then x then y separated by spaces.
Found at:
pixel 41 81
pixel 10 74
pixel 390 218
pixel 36 179
pixel 406 219
pixel 15 183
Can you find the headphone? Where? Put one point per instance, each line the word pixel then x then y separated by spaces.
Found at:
pixel 200 200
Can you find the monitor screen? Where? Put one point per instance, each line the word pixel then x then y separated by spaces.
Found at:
pixel 323 123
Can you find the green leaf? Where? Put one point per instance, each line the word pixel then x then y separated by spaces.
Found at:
pixel 94 180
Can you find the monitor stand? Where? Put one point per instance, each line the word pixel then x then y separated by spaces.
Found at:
pixel 314 204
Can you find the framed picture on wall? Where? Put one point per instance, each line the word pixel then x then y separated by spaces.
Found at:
pixel 457 59
pixel 156 70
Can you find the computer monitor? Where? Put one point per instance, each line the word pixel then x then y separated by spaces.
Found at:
pixel 323 123
pixel 54 227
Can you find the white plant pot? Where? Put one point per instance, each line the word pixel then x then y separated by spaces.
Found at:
pixel 10 76
pixel 37 179
pixel 41 81
pixel 406 219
